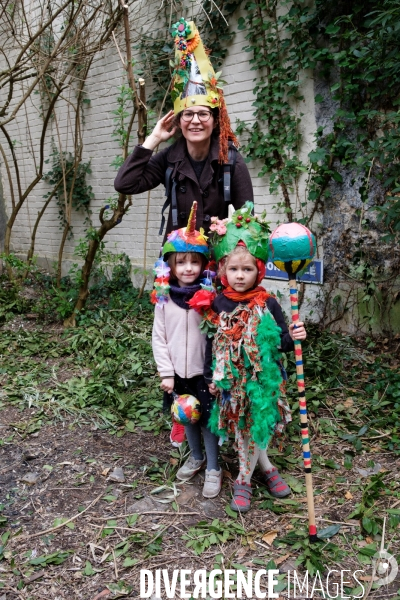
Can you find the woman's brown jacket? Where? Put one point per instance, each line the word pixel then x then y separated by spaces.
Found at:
pixel 143 171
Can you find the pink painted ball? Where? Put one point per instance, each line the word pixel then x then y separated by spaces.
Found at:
pixel 292 246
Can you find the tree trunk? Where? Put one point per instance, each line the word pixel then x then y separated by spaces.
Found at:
pixel 120 211
pixel 91 254
pixel 60 254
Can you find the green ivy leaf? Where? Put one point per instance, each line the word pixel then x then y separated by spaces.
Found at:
pixel 329 532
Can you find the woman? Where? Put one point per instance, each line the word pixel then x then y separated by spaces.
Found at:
pixel 196 160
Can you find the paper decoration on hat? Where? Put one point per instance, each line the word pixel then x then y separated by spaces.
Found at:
pixel 159 295
pixel 187 239
pixel 195 83
pixel 185 409
pixel 244 227
pixel 292 247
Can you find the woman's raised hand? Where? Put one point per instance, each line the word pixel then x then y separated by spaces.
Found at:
pixel 162 132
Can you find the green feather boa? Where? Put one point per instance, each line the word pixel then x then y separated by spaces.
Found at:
pixel 264 392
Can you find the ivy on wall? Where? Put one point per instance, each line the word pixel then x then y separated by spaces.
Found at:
pixel 276 47
pixel 65 168
pixel 362 59
pixel 352 48
pixel 356 47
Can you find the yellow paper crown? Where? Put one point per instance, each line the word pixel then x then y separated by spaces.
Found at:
pixel 194 79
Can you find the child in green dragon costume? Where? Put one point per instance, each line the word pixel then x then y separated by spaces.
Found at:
pixel 247 334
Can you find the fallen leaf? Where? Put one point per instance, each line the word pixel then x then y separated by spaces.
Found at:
pixel 295 484
pixel 368 578
pixel 241 553
pixel 281 559
pixel 328 532
pixel 348 403
pixel 226 474
pixel 269 537
pixel 102 594
pixel 370 471
pixel 348 495
pixel 250 542
pixel 227 459
pixel 369 540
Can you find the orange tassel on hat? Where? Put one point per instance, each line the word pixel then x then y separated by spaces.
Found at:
pixel 225 130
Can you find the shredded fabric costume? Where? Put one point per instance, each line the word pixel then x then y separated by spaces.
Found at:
pixel 251 402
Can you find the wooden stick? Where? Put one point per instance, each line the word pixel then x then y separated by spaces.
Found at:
pixel 26 537
pixel 149 512
pixel 303 412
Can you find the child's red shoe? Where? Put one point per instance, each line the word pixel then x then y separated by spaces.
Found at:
pixel 241 501
pixel 177 435
pixel 277 486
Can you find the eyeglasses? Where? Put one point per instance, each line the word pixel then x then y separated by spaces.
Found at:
pixel 203 115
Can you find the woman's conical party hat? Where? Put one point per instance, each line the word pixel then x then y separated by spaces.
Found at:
pixel 195 82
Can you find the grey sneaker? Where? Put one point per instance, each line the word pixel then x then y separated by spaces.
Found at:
pixel 190 468
pixel 212 483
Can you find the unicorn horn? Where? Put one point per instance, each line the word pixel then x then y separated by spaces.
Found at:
pixel 191 226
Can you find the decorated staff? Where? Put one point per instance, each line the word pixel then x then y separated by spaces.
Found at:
pixel 292 247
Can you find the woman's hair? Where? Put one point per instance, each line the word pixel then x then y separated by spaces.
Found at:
pixel 237 251
pixel 172 258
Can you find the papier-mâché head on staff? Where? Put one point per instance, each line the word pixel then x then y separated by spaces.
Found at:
pixel 291 248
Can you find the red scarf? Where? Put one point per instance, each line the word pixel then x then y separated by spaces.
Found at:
pixel 258 295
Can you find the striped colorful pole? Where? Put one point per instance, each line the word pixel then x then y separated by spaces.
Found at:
pixel 292 247
pixel 298 353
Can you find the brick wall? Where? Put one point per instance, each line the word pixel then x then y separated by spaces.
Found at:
pixel 100 148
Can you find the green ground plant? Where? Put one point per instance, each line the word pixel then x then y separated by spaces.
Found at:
pixel 102 373
pixel 204 534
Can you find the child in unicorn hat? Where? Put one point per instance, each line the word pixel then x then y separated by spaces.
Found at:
pixel 179 346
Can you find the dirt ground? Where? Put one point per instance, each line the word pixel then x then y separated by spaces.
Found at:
pixel 120 528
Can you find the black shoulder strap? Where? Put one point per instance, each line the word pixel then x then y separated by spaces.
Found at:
pixel 232 156
pixel 228 172
pixel 167 183
pixel 170 192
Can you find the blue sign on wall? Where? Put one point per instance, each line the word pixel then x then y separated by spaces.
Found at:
pixel 314 273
